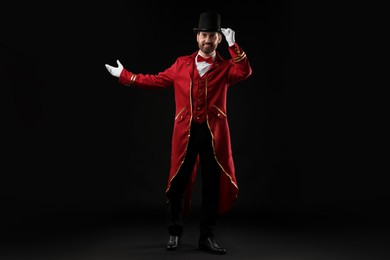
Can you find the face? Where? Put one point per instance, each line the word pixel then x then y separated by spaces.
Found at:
pixel 208 41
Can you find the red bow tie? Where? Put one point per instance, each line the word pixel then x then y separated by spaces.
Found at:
pixel 208 60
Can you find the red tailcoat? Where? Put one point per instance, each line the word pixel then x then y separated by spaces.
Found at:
pixel 221 75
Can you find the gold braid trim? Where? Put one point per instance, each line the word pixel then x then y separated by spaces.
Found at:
pixel 239 57
pixel 132 80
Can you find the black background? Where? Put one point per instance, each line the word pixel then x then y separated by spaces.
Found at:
pixel 78 148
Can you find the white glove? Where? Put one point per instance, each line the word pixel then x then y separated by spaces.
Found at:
pixel 115 71
pixel 229 36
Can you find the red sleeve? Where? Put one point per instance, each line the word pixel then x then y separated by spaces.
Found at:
pixel 241 68
pixel 161 80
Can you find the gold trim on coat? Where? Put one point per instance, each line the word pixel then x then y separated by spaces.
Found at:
pixel 212 137
pixel 188 139
pixel 181 111
pixel 220 110
pixel 132 79
pixel 239 57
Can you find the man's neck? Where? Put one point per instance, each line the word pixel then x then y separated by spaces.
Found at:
pixel 201 53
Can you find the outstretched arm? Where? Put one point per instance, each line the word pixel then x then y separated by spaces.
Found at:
pixel 148 81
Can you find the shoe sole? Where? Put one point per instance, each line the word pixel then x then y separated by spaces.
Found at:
pixel 205 248
pixel 173 248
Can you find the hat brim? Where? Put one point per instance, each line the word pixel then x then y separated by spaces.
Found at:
pixel 207 30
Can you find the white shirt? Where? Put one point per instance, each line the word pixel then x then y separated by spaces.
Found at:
pixel 203 66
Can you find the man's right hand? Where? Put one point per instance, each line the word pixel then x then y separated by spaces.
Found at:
pixel 115 71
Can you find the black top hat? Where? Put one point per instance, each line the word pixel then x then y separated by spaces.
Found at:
pixel 209 22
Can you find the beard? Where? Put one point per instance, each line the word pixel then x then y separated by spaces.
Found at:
pixel 207 48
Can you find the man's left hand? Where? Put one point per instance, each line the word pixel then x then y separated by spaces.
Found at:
pixel 229 36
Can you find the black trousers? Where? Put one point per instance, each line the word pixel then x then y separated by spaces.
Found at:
pixel 199 143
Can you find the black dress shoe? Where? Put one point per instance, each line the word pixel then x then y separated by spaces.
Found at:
pixel 209 244
pixel 173 243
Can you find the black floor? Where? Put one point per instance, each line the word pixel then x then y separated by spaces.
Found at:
pixel 245 236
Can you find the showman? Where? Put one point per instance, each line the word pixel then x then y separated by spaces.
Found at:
pixel 201 133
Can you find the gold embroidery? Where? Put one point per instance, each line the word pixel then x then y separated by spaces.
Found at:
pixel 239 57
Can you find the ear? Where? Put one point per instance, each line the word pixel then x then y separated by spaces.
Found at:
pixel 220 38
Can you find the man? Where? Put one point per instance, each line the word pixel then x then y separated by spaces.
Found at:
pixel 201 132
